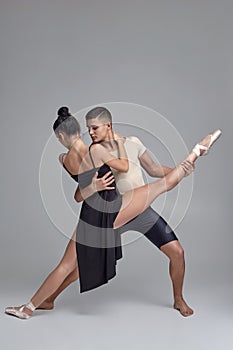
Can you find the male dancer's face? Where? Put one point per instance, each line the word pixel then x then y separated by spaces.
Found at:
pixel 99 130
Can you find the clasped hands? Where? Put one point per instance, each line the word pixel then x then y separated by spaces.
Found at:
pixel 188 167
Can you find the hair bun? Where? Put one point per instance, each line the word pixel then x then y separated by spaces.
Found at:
pixel 63 112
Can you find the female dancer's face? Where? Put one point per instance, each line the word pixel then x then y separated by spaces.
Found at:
pixel 98 130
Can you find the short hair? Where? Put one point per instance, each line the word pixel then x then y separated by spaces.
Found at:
pixel 99 112
pixel 66 122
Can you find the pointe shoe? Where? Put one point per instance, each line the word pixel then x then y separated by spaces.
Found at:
pixel 213 137
pixel 19 313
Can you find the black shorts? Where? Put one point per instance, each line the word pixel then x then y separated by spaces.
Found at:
pixel 152 225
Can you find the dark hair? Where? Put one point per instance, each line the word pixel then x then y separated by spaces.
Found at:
pixel 66 122
pixel 99 112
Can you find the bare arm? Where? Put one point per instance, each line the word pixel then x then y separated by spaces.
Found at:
pixel 152 168
pixel 120 164
pixel 156 170
pixel 81 195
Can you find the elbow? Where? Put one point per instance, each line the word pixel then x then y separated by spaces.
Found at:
pixel 125 167
pixel 77 198
pixel 154 173
pixel 157 171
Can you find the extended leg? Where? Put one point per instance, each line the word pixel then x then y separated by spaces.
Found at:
pixel 48 304
pixel 57 276
pixel 136 201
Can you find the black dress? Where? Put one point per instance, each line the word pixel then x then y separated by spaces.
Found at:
pixel 98 245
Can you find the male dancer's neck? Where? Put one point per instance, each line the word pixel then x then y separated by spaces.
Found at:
pixel 108 142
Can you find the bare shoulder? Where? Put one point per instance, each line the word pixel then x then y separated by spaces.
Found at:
pixel 97 147
pixel 72 162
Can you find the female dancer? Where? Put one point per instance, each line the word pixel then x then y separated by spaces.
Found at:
pixel 82 165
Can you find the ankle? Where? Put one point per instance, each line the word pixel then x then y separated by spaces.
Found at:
pixel 49 301
pixel 30 308
pixel 192 156
pixel 178 298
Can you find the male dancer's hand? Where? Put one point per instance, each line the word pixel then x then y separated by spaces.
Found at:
pixel 96 185
pixel 188 167
pixel 103 183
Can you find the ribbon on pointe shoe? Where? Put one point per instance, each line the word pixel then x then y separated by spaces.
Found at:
pixel 213 137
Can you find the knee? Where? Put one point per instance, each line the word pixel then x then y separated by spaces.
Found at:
pixel 65 269
pixel 177 253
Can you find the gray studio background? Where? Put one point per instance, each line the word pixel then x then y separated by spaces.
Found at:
pixel 172 56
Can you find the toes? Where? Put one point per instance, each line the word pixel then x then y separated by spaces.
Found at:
pixel 187 313
pixel 184 311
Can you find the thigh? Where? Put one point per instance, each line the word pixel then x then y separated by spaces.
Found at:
pixel 161 233
pixel 136 201
pixel 141 223
pixel 153 226
pixel 70 256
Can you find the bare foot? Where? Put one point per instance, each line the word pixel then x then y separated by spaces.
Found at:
pixel 183 308
pixel 46 305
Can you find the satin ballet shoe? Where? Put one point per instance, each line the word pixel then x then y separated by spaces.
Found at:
pixel 19 313
pixel 214 136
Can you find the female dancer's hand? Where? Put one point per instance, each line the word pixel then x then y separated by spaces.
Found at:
pixel 103 183
pixel 62 157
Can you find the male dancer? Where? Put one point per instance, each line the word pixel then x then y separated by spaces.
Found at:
pixel 154 227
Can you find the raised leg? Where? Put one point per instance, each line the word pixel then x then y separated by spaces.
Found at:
pixel 134 202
